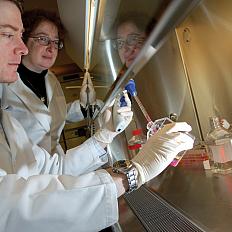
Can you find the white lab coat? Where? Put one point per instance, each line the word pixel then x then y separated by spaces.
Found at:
pixel 46 123
pixel 58 200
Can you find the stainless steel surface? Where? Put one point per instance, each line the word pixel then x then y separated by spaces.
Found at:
pixel 163 89
pixel 205 38
pixel 204 196
pixel 73 18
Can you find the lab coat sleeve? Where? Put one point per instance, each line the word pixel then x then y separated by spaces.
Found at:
pixel 85 158
pixel 27 159
pixel 74 113
pixel 57 203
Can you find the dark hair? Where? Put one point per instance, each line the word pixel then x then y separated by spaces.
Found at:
pixel 18 3
pixel 31 19
pixel 141 21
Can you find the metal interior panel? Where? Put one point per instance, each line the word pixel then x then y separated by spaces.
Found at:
pixel 73 18
pixel 162 86
pixel 205 38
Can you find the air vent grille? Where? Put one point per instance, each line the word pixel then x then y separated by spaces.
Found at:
pixel 156 214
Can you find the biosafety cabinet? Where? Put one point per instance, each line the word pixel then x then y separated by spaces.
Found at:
pixel 183 69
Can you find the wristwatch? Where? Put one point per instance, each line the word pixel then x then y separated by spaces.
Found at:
pixel 127 167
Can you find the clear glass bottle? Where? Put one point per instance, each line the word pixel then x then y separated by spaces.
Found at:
pixel 219 147
pixel 136 142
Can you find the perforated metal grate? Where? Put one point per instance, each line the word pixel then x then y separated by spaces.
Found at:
pixel 156 214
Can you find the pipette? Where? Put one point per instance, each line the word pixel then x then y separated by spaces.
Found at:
pixel 130 87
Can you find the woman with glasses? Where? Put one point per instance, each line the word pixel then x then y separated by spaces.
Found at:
pixel 37 99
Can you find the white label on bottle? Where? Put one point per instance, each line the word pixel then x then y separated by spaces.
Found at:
pixel 206 164
pixel 222 151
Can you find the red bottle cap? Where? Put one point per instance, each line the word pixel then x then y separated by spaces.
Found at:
pixel 134 147
pixel 137 132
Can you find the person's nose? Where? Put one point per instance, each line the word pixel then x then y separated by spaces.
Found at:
pixel 126 47
pixel 21 48
pixel 51 46
pixel 127 50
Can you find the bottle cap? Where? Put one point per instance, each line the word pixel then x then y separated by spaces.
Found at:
pixel 137 132
pixel 135 146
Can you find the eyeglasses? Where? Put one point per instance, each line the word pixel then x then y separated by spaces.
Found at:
pixel 131 40
pixel 45 41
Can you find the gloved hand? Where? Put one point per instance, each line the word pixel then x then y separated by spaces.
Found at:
pixel 115 119
pixel 92 93
pixel 83 92
pixel 161 149
pixel 87 93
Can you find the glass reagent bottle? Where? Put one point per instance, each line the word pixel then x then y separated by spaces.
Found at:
pixel 219 147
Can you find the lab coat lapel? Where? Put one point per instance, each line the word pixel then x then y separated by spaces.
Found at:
pixel 55 96
pixel 50 85
pixel 33 103
pixel 23 160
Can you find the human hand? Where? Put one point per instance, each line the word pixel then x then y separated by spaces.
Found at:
pixel 120 181
pixel 83 92
pixel 87 93
pixel 115 120
pixel 92 92
pixel 160 150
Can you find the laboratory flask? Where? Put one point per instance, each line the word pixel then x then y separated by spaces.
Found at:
pixel 219 147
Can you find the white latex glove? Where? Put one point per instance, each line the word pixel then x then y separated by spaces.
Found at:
pixel 161 149
pixel 115 120
pixel 92 93
pixel 225 123
pixel 83 92
pixel 87 85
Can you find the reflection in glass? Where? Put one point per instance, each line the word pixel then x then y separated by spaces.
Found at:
pixel 130 35
pixel 132 39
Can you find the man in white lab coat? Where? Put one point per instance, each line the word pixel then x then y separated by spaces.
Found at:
pixel 40 192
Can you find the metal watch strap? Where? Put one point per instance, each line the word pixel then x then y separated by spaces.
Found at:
pixel 127 168
pixel 132 180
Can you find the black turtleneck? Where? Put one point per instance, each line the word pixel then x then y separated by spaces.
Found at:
pixel 34 81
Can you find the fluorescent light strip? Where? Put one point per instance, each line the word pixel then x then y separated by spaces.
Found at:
pixel 91 13
pixel 109 54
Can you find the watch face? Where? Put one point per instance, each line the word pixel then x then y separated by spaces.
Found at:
pixel 122 164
